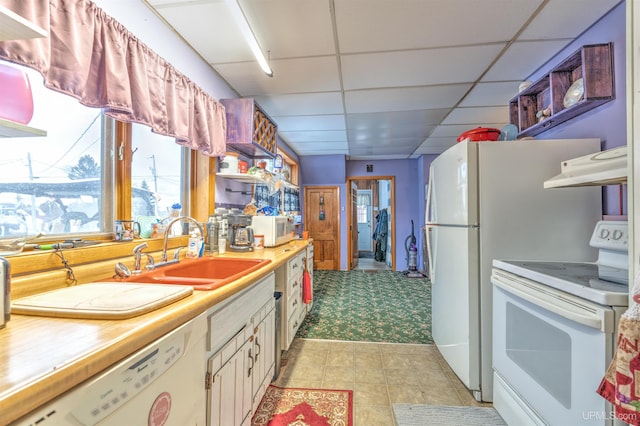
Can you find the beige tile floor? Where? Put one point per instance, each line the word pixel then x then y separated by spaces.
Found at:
pixel 380 374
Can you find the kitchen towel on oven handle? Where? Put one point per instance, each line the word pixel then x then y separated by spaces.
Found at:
pixel 621 383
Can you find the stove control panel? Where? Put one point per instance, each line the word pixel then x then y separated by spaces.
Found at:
pixel 611 235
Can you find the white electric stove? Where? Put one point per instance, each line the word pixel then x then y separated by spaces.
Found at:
pixel 554 327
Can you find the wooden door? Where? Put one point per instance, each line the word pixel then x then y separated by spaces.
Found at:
pixel 322 220
pixel 353 248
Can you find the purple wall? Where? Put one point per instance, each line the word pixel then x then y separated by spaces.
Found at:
pixel 407 203
pixel 609 121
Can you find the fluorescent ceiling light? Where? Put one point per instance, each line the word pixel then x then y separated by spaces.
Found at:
pixel 247 32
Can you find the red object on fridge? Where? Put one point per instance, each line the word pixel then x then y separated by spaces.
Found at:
pixel 480 134
pixel 307 294
pixel 16 100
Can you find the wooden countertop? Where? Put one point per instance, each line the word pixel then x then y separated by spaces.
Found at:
pixel 43 357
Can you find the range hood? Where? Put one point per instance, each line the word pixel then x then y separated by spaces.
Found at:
pixel 601 168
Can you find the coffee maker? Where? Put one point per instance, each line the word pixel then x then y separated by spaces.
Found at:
pixel 240 232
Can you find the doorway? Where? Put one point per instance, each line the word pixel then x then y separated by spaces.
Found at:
pixel 322 220
pixel 371 222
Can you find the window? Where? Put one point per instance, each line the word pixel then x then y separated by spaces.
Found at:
pixel 56 184
pixel 156 173
pixel 52 184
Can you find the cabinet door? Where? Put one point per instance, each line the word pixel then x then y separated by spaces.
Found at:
pixel 225 398
pixel 264 356
pixel 245 381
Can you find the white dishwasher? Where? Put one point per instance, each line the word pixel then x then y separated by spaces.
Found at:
pixel 161 384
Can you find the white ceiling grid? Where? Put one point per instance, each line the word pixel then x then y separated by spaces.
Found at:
pixel 382 79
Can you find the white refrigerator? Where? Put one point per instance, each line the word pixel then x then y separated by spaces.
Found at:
pixel 486 201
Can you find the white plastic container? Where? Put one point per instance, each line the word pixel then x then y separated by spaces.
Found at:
pixel 229 163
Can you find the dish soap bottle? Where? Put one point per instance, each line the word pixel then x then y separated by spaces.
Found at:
pixel 193 249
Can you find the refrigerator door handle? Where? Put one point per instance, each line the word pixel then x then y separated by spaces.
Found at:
pixel 427 232
pixel 427 213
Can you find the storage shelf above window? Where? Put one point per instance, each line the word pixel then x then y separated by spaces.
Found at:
pixel 11 129
pixel 252 179
pixel 15 27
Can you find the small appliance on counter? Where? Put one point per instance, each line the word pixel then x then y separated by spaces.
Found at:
pixel 5 285
pixel 240 232
pixel 277 230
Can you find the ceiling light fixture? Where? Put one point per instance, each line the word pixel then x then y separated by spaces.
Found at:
pixel 247 32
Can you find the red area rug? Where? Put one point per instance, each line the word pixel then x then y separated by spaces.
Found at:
pixel 304 407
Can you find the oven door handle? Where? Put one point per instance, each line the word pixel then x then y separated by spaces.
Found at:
pixel 546 301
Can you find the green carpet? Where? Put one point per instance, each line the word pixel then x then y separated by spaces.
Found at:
pixel 369 307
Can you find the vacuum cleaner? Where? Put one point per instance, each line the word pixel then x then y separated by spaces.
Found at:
pixel 411 247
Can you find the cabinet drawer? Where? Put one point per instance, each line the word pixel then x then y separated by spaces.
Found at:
pixel 295 265
pixel 293 302
pixel 294 284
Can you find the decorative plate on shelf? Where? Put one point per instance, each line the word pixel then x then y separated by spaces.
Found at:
pixel 574 94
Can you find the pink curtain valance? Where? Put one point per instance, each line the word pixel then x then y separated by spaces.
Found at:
pixel 92 57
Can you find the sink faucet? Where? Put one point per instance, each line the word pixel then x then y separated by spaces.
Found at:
pixel 166 235
pixel 137 251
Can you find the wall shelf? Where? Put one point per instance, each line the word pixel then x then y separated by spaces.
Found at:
pixel 11 129
pixel 542 105
pixel 250 131
pixel 252 179
pixel 15 27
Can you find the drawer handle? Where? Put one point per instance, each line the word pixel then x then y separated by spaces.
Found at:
pixel 251 367
pixel 295 302
pixel 257 350
pixel 295 325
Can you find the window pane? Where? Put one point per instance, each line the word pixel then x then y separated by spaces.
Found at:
pixel 156 173
pixel 52 184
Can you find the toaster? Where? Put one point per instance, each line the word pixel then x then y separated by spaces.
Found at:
pixel 5 287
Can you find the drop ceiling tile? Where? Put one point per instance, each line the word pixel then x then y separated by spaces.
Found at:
pixel 417 67
pixel 302 104
pixel 566 18
pixel 523 58
pixel 404 99
pixel 391 136
pixel 309 122
pixel 491 94
pixel 389 150
pixel 382 25
pixel 291 28
pixel 319 74
pixel 435 146
pixel 422 120
pixel 371 140
pixel 478 115
pixel 316 136
pixel 201 22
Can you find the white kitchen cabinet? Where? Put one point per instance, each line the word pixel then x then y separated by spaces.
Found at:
pixel 241 350
pixel 263 351
pixel 289 282
pixel 229 396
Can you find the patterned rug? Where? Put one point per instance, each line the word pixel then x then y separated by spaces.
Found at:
pixel 369 307
pixel 304 407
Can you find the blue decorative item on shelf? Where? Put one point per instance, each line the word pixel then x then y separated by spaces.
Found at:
pixel 268 211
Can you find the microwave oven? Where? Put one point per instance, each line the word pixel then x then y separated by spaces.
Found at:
pixel 276 229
